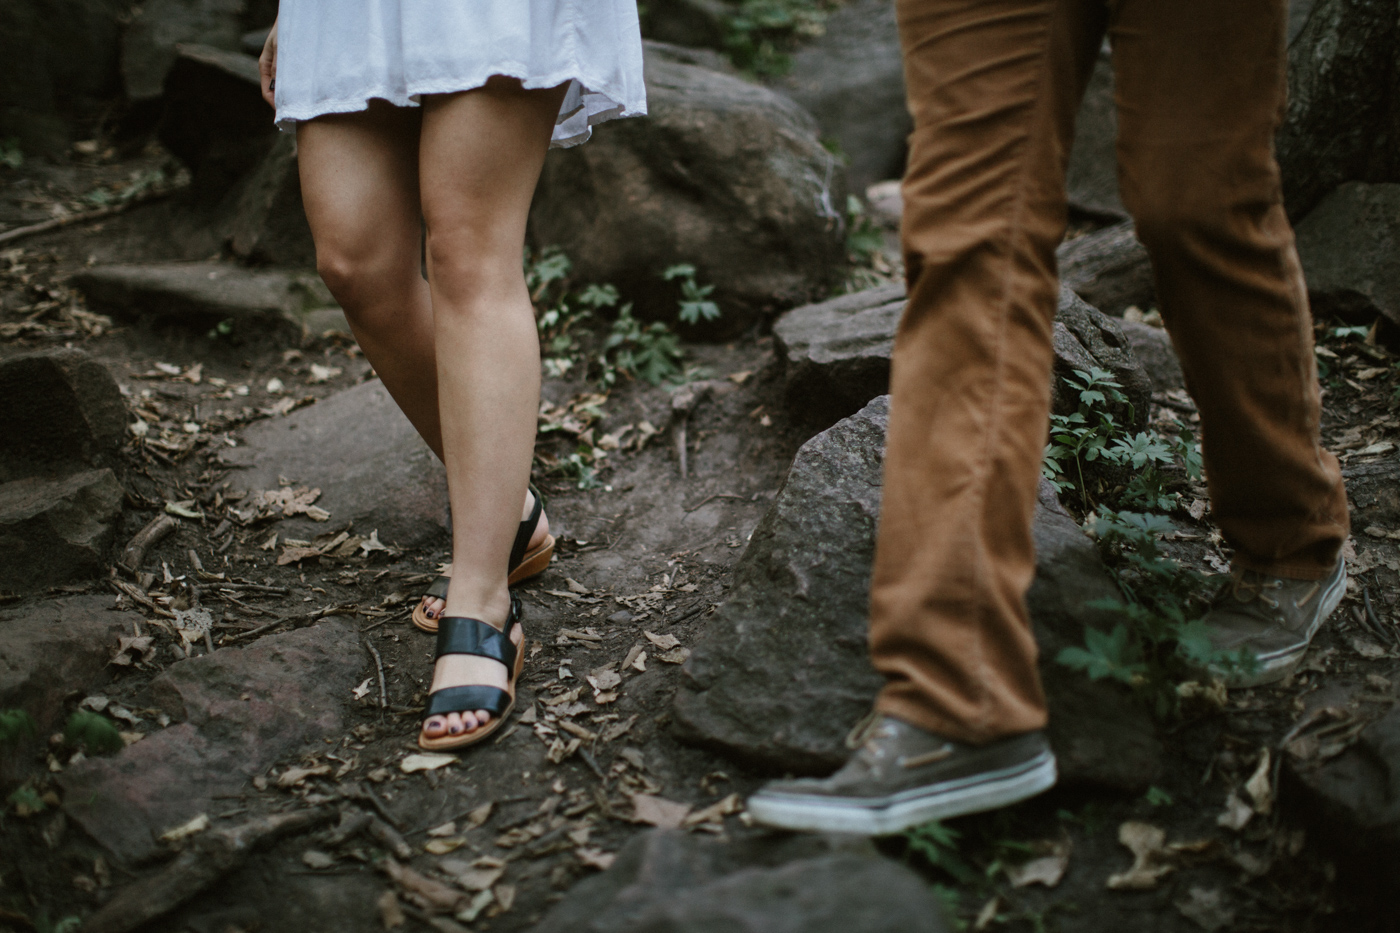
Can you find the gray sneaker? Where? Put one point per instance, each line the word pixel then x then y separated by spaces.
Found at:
pixel 902 776
pixel 1271 620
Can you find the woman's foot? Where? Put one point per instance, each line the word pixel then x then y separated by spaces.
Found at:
pixel 432 606
pixel 457 670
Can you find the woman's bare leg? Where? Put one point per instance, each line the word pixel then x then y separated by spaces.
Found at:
pixel 359 183
pixel 479 159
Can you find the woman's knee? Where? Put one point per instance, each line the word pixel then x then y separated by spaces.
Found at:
pixel 361 279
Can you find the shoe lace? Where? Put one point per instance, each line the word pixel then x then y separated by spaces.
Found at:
pixel 1246 587
pixel 863 730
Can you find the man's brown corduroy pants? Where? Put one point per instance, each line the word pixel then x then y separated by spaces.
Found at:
pixel 993 87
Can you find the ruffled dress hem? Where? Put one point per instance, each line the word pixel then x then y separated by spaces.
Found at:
pixel 581 110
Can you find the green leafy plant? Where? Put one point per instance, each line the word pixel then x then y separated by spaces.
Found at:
pixel 651 351
pixel 864 240
pixel 1156 797
pixel 1085 435
pixel 16 727
pixel 10 154
pixel 695 305
pixel 937 845
pixel 95 734
pixel 760 33
pixel 1160 640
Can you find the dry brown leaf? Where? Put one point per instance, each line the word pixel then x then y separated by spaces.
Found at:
pixel 478 874
pixel 658 811
pixel 390 913
pixel 675 656
pixel 618 729
pixel 595 858
pixel 425 762
pixel 1147 843
pixel 433 895
pixel 480 902
pixel 1047 870
pixel 444 846
pixel 664 642
pixel 316 859
pixel 1259 788
pixel 292 555
pixel 987 914
pixel 295 776
pixel 603 680
pixel 560 750
pixel 185 830
pixel 1236 814
pixel 478 816
pixel 1207 908
pixel 505 896
pixel 715 812
pixel 133 650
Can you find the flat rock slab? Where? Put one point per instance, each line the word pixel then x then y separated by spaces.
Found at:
pixel 666 881
pixel 362 453
pixel 1350 248
pixel 1108 268
pixel 56 648
pixel 836 353
pixel 204 295
pixel 783 671
pixel 1353 799
pixel 55 531
pixel 238 711
pixel 62 408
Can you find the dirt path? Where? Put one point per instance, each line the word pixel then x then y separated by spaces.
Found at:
pixel 588 761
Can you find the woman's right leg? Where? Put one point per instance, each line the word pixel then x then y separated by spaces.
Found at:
pixel 359 185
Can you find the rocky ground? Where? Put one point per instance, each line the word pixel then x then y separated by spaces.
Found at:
pixel 615 793
pixel 214 524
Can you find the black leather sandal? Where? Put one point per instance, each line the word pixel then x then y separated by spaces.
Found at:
pixel 523 564
pixel 460 635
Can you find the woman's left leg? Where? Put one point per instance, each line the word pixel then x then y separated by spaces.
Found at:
pixel 480 156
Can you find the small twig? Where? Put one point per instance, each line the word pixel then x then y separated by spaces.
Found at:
pixel 251 588
pixel 257 631
pixel 708 499
pixel 139 597
pixel 1386 633
pixel 225 597
pixel 20 233
pixel 379 668
pixel 134 554
pixel 679 433
pixel 592 763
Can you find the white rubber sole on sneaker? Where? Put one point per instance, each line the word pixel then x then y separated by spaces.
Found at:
pixel 1276 665
pixel 887 815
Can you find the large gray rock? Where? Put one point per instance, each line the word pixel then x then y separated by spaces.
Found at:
pixel 836 353
pixel 215 120
pixel 1353 799
pixel 52 649
pixel 239 710
pixel 200 295
pixel 1083 336
pixel 55 531
pixel 783 670
pixel 699 23
pixel 158 26
pixel 356 447
pixel 1350 249
pixel 60 69
pixel 262 220
pixel 1108 268
pixel 1153 348
pixel 723 174
pixel 851 79
pixel 1374 491
pixel 62 409
pixel 1343 117
pixel 672 882
pixel 1092 179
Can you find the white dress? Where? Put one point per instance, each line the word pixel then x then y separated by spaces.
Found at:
pixel 333 56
